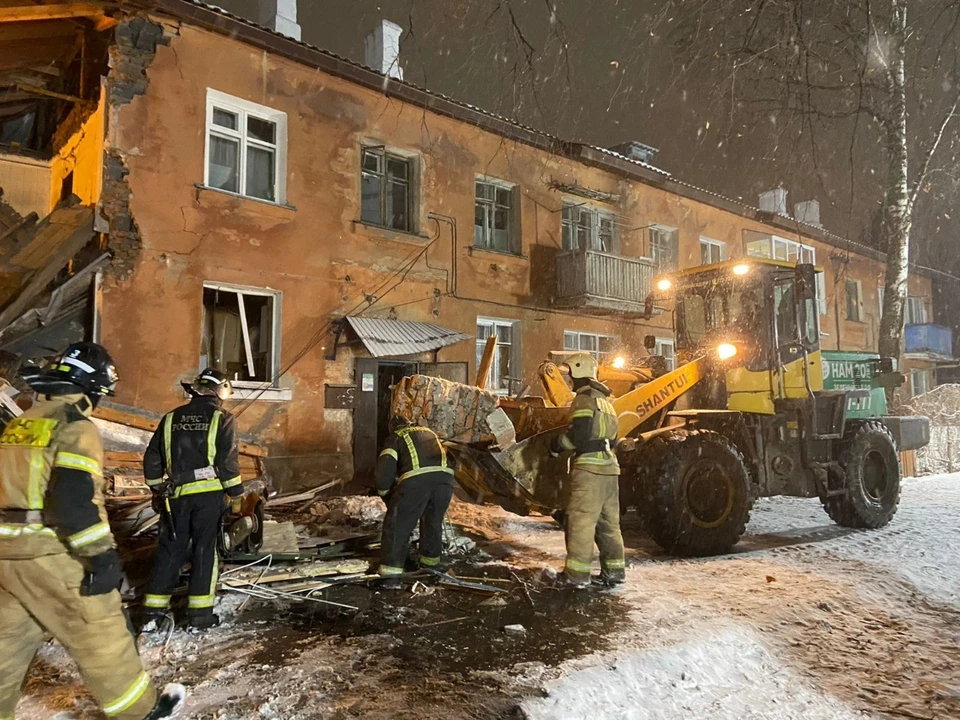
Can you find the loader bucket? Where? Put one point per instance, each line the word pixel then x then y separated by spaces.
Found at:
pixel 521 478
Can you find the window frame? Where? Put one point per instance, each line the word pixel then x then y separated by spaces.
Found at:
pixel 910 316
pixel 658 350
pixel 597 216
pixel 925 374
pixel 599 355
pixel 857 298
pixel 654 256
pixel 412 161
pixel 721 246
pixel 798 249
pixel 513 233
pixel 269 388
pixel 217 100
pixel 493 381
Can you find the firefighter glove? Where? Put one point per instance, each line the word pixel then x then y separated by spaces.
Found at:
pixel 555 447
pixel 103 575
pixel 236 504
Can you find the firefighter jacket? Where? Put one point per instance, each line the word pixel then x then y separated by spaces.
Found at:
pixel 409 452
pixel 51 482
pixel 592 432
pixel 195 447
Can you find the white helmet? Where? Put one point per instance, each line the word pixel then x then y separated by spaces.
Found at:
pixel 582 365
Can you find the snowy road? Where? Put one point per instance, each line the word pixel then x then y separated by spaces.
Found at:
pixel 805 620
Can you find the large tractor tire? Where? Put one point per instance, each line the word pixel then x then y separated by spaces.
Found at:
pixel 871 476
pixel 701 494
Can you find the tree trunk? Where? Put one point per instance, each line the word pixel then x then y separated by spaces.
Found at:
pixel 896 207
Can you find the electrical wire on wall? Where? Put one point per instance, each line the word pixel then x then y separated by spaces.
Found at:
pixel 377 294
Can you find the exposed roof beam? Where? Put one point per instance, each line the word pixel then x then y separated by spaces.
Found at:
pixel 34 90
pixel 22 13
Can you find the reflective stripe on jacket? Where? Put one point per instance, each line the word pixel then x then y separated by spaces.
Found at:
pixel 592 418
pixel 409 452
pixel 196 447
pixel 50 465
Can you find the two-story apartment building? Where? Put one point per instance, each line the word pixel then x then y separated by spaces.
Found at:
pixel 317 228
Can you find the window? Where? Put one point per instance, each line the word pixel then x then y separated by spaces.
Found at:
pixel 493 227
pixel 599 345
pixel 854 300
pixel 241 334
pixel 916 311
pixel 880 290
pixel 246 148
pixel 667 348
pixel 712 251
pixel 587 228
pixel 385 189
pixel 919 382
pixel 664 248
pixel 778 248
pixel 505 372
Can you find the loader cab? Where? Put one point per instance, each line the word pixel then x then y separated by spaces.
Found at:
pixel 768 310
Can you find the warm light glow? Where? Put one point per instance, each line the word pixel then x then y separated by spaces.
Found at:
pixel 726 351
pixel 619 362
pixel 741 269
pixel 664 285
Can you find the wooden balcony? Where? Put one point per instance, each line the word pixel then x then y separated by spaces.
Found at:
pixel 602 284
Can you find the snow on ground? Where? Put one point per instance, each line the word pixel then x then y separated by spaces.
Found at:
pixel 728 673
pixel 804 620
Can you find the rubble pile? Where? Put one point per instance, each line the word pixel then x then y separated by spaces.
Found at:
pixel 353 510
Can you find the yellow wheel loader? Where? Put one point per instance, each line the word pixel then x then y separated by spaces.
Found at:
pixel 745 415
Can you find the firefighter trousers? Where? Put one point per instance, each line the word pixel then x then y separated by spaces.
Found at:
pixel 424 499
pixel 39 595
pixel 593 516
pixel 196 519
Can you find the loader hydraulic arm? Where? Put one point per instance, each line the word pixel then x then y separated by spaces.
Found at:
pixel 556 392
pixel 638 405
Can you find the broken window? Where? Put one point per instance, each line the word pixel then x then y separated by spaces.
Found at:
pixel 587 228
pixel 241 333
pixel 505 372
pixel 385 189
pixel 493 227
pixel 245 148
pixel 665 248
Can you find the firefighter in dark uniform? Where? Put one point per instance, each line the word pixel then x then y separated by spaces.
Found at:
pixel 592 508
pixel 415 478
pixel 191 461
pixel 59 568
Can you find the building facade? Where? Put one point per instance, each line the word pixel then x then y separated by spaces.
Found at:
pixel 259 195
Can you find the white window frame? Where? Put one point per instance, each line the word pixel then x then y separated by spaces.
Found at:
pixel 914 302
pixel 880 293
pixel 598 354
pixel 922 387
pixel 859 299
pixel 493 380
pixel 596 217
pixel 658 347
pixel 657 227
pixel 781 248
pixel 269 388
pixel 720 246
pixel 513 244
pixel 244 109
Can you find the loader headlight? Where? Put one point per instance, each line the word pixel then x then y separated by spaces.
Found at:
pixel 664 284
pixel 741 269
pixel 619 362
pixel 725 351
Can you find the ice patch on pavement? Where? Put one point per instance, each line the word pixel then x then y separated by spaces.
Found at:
pixel 728 675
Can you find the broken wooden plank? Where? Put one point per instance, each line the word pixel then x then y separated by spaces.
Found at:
pixel 143 420
pixel 279 538
pixel 300 497
pixel 327 568
pixel 486 362
pixel 59 11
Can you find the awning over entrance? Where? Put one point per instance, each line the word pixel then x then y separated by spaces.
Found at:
pixel 388 338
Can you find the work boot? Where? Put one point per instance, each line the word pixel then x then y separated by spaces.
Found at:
pixel 203 621
pixel 565 580
pixel 151 620
pixel 169 702
pixel 609 580
pixel 389 582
